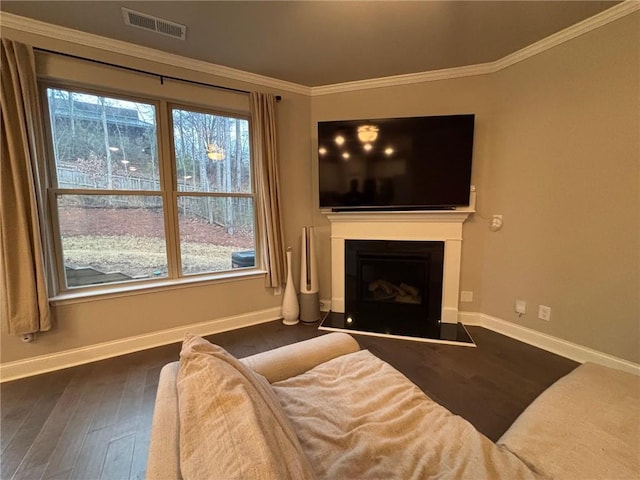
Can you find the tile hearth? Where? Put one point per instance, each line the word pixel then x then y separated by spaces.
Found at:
pixel 445 333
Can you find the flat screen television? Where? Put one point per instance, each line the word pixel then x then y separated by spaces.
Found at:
pixel 395 163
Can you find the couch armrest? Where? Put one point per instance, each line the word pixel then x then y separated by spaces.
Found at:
pixel 295 359
pixel 163 461
pixel 586 425
pixel 164 448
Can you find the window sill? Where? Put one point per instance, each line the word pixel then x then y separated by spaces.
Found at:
pixel 130 289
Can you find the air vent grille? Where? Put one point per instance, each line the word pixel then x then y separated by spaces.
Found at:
pixel 154 24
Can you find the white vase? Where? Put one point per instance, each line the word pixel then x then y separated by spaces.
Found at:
pixel 290 307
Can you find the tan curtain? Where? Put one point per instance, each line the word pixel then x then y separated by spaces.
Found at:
pixel 23 290
pixel 263 134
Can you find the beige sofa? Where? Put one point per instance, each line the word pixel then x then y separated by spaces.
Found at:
pixel 323 408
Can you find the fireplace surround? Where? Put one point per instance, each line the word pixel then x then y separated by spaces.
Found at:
pixel 442 226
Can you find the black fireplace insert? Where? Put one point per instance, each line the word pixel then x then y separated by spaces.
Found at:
pixel 394 283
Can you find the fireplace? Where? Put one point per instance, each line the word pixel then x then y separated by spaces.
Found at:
pixel 393 281
pixel 440 227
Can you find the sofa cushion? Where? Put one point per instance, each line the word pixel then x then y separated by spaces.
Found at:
pixel 358 417
pixel 231 424
pixel 586 425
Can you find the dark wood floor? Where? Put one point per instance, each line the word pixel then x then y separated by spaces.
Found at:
pixel 93 421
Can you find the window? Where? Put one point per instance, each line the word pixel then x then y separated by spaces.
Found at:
pixel 215 203
pixel 133 201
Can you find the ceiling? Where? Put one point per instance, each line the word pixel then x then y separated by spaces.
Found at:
pixel 314 43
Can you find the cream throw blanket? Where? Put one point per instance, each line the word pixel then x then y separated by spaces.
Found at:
pixel 357 417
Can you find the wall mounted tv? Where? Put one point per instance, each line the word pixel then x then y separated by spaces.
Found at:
pixel 416 163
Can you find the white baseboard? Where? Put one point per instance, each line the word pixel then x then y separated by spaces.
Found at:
pixel 547 342
pixel 325 305
pixel 78 356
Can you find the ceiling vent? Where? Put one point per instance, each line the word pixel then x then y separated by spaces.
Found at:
pixel 154 24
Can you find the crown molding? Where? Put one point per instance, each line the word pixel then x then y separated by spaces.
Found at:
pixel 603 18
pixel 592 23
pixel 8 20
pixel 406 79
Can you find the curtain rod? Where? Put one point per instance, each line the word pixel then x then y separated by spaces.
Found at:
pixel 145 72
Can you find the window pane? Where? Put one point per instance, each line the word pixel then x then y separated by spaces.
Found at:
pixel 212 153
pixel 111 238
pixel 215 233
pixel 103 143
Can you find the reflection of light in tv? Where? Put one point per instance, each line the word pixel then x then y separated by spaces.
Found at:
pixel 413 163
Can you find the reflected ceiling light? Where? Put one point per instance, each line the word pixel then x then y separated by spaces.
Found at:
pixel 388 150
pixel 367 147
pixel 124 161
pixel 367 133
pixel 322 151
pixel 214 152
pixel 132 169
pixel 346 155
pixel 114 149
pixel 187 177
pixel 339 139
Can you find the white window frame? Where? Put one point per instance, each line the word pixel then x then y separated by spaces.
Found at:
pixel 177 194
pixel 168 191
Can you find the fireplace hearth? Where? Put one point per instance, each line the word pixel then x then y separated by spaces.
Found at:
pixel 447 333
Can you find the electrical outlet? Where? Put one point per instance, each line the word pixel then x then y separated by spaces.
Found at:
pixel 544 313
pixel 521 307
pixel 466 296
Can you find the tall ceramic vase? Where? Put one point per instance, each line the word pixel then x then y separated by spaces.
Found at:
pixel 290 307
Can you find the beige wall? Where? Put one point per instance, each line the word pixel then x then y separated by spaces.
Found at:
pixel 557 153
pixel 87 323
pixel 565 172
pixel 91 322
pixel 463 95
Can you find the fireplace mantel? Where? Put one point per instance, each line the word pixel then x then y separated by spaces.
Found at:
pixel 431 225
pixel 444 216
